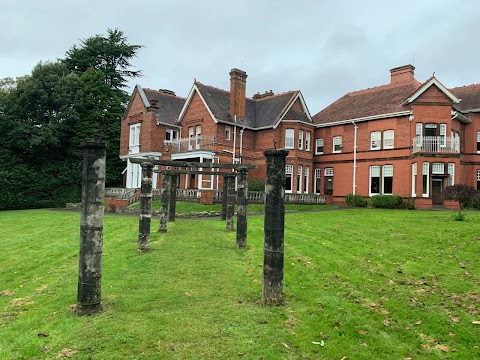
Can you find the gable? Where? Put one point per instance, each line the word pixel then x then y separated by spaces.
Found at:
pixel 195 110
pixel 433 95
pixel 297 112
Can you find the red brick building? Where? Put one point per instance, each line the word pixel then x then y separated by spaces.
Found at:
pixel 219 126
pixel 404 138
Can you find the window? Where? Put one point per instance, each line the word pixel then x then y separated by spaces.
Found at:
pixel 478 179
pixel 288 178
pixel 425 180
pixel 289 134
pixel 299 179
pixel 306 174
pixel 135 135
pixel 337 144
pixel 451 174
pixel 300 139
pixel 388 136
pixel 438 168
pixel 318 174
pixel 328 181
pixel 374 180
pixel 171 135
pixel 387 179
pixel 307 141
pixel 375 140
pixel 414 180
pixel 198 135
pixel 191 131
pixel 443 135
pixel 419 134
pixel 228 132
pixel 478 142
pixel 319 146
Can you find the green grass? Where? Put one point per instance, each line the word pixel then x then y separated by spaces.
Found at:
pixel 364 283
pixel 188 207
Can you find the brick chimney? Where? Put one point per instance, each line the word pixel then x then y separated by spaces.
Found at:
pixel 238 84
pixel 402 74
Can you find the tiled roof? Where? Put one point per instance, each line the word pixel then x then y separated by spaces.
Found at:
pixel 169 105
pixel 470 95
pixel 258 113
pixel 385 99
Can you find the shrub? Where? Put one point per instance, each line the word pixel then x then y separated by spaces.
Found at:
pixel 356 200
pixel 459 216
pixel 386 201
pixel 464 194
pixel 256 185
pixel 476 203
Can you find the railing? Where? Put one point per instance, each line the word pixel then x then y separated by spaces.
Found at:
pixel 182 194
pixel 115 192
pixel 189 144
pixel 305 198
pixel 436 144
pixel 256 196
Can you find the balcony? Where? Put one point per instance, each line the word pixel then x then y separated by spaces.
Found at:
pixel 436 144
pixel 184 145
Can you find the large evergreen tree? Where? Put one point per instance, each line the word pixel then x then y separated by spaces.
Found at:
pixel 46 115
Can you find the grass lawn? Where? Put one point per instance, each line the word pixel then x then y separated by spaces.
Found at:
pixel 359 284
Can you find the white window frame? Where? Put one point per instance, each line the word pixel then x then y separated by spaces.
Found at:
pixel 191 137
pixel 387 171
pixel 337 142
pixel 478 178
pixel 306 175
pixel 198 136
pixel 478 142
pixel 374 170
pixel 289 173
pixel 438 168
pixel 419 133
pixel 414 180
pixel 319 142
pixel 289 138
pixel 134 135
pixel 426 172
pixel 375 140
pixel 388 136
pixel 318 175
pixel 443 135
pixel 172 134
pixel 307 141
pixel 228 132
pixel 299 179
pixel 451 174
pixel 328 173
pixel 300 139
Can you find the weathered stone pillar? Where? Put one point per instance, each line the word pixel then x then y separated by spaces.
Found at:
pixel 145 208
pixel 91 229
pixel 164 197
pixel 274 227
pixel 242 191
pixel 173 197
pixel 224 198
pixel 230 201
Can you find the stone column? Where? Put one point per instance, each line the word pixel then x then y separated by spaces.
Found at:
pixel 242 191
pixel 224 198
pixel 173 197
pixel 274 227
pixel 145 208
pixel 164 197
pixel 230 201
pixel 91 228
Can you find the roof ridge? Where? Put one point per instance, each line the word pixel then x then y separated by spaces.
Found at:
pixel 163 93
pixel 275 95
pixel 212 87
pixel 382 87
pixel 464 86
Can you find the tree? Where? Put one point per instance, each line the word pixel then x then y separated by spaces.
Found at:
pixel 464 194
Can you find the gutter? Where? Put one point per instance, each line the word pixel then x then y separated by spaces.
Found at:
pixel 367 118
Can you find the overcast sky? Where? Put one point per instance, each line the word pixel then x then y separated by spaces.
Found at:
pixel 323 48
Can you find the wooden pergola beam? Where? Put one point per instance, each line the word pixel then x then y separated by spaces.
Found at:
pixel 191 164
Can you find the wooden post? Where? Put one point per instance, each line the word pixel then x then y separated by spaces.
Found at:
pixel 274 227
pixel 224 198
pixel 230 202
pixel 164 196
pixel 173 197
pixel 145 208
pixel 242 191
pixel 91 229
